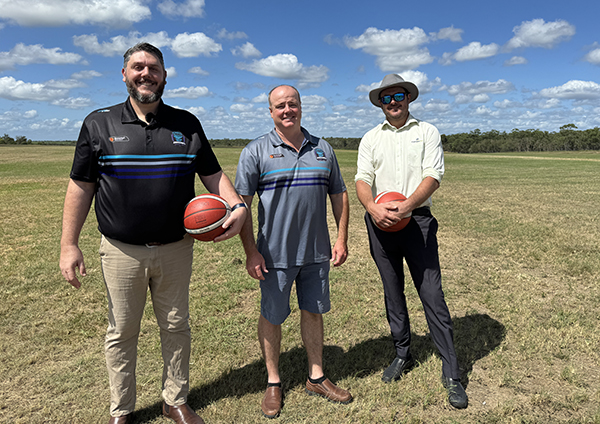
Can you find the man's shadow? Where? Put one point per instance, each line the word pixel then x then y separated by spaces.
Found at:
pixel 475 336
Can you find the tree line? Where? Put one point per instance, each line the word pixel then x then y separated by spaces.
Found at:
pixel 567 138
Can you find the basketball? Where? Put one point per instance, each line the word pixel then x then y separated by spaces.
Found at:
pixel 392 196
pixel 204 216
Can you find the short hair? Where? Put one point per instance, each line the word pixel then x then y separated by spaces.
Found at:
pixel 283 85
pixel 143 47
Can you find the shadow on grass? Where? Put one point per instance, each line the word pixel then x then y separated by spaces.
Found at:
pixel 475 337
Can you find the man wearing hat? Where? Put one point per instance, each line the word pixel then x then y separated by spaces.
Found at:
pixel 405 155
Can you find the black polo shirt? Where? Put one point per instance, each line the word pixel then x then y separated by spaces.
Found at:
pixel 144 173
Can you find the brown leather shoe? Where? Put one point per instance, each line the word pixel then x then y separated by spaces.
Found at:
pixel 271 403
pixel 329 391
pixel 182 414
pixel 123 419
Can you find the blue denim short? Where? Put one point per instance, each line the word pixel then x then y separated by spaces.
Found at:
pixel 312 288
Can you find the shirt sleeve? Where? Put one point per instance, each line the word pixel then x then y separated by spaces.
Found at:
pixel 85 160
pixel 248 172
pixel 365 170
pixel 433 158
pixel 336 181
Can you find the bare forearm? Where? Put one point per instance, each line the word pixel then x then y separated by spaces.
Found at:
pixel 78 201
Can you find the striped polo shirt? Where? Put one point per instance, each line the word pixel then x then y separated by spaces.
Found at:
pixel 292 188
pixel 144 173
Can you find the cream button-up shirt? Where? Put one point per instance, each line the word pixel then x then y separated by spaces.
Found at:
pixel 398 159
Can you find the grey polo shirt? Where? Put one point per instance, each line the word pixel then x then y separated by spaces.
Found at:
pixel 292 188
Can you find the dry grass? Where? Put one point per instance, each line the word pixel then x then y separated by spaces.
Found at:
pixel 521 260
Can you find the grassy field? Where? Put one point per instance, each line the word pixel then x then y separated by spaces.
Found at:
pixel 520 253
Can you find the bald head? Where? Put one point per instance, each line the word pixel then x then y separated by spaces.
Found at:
pixel 280 87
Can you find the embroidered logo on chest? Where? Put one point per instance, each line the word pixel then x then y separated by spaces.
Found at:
pixel 320 155
pixel 118 139
pixel 276 155
pixel 178 138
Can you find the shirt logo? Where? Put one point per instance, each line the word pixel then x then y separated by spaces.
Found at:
pixel 320 154
pixel 118 139
pixel 178 138
pixel 276 155
pixel 104 111
pixel 418 140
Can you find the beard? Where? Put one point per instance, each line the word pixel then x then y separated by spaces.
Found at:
pixel 144 98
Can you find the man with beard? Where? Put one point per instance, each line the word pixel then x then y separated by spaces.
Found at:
pixel 139 159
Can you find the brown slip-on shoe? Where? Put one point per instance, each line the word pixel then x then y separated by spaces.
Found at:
pixel 123 419
pixel 329 391
pixel 182 414
pixel 271 403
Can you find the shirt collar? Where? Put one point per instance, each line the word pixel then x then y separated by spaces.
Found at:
pixel 128 116
pixel 277 141
pixel 409 121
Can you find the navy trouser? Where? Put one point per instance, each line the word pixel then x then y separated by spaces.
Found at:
pixel 417 244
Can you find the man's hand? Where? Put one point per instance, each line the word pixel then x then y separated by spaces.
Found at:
pixel 255 265
pixel 71 260
pixel 233 224
pixel 339 253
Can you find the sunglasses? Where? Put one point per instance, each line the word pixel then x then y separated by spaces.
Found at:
pixel 398 97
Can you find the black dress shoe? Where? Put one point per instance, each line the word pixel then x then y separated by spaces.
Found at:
pixel 456 393
pixel 398 367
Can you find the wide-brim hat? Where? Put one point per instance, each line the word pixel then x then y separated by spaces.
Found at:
pixel 393 80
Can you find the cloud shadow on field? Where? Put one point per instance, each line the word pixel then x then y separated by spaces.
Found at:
pixel 475 336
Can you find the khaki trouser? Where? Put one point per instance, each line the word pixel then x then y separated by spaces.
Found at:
pixel 129 271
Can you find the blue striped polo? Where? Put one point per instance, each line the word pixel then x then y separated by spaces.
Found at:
pixel 144 173
pixel 292 188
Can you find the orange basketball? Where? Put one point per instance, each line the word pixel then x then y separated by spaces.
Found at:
pixel 392 196
pixel 204 216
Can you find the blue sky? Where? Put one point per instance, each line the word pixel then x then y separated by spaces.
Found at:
pixel 479 65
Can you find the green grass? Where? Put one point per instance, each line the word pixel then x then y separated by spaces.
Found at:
pixel 520 259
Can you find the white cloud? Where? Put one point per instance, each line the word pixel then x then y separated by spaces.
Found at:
pixel 13 115
pixel 239 108
pixel 593 56
pixel 437 106
pixel 246 50
pixel 472 89
pixel 286 66
pixel 111 13
pixel 476 51
pixel 261 98
pixel 507 104
pixel 118 45
pixel 187 92
pixel 193 45
pixel 198 71
pixel 73 103
pixel 395 50
pixel 223 33
pixel 183 45
pixel 574 89
pixel 86 75
pixel 66 84
pixel 481 98
pixel 186 9
pixel 23 54
pixel 13 89
pixel 516 60
pixel 197 110
pixel 171 72
pixel 450 33
pixel 538 33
